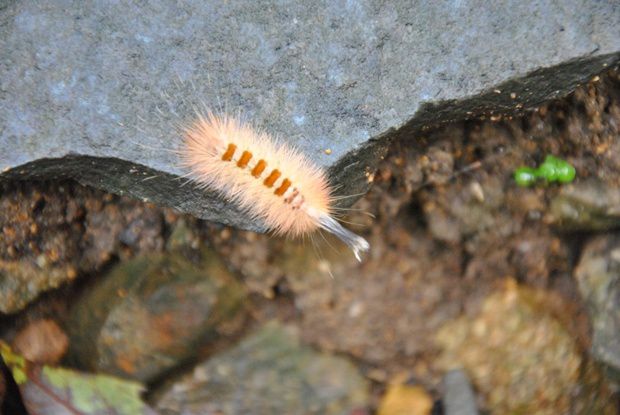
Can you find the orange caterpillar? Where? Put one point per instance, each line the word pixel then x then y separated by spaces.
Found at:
pixel 271 181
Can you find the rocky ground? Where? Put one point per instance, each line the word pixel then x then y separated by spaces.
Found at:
pixel 516 288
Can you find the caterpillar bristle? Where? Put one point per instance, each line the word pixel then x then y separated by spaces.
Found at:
pixel 356 243
pixel 265 177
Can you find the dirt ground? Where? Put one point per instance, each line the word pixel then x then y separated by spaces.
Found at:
pixel 453 238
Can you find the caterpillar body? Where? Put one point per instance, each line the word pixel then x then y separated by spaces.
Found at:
pixel 269 180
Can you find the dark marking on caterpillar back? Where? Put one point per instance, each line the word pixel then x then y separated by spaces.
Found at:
pixel 286 183
pixel 245 159
pixel 259 168
pixel 230 152
pixel 271 179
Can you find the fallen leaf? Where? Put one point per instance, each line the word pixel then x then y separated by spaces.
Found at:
pixel 58 391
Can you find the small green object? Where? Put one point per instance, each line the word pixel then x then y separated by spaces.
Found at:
pixel 525 176
pixel 564 172
pixel 548 170
pixel 553 169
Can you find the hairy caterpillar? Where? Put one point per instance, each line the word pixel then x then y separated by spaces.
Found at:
pixel 271 181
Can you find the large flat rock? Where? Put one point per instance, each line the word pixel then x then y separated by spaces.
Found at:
pixel 95 90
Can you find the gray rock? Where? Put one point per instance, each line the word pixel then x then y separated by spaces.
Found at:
pixel 93 90
pixel 269 372
pixel 459 398
pixel 598 275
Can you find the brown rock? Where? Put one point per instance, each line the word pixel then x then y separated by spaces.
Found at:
pixel 41 341
pixel 519 356
pixel 153 312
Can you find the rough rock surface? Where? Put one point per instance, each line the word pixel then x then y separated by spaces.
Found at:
pixel 93 91
pixel 52 233
pixel 519 355
pixel 598 274
pixel 269 372
pixel 152 313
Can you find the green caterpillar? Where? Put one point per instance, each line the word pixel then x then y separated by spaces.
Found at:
pixel 552 170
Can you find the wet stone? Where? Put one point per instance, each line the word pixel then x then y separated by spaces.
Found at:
pixel 152 313
pixel 598 275
pixel 269 372
pixel 93 91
